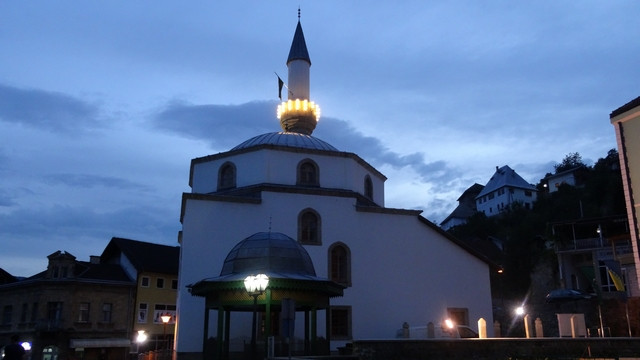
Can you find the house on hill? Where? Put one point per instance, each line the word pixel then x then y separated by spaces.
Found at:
pixel 572 177
pixel 504 189
pixel 466 208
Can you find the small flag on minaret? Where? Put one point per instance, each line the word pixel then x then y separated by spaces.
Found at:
pixel 280 85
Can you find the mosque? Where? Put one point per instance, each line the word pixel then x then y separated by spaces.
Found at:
pixel 312 219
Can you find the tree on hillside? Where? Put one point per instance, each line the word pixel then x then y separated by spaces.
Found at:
pixel 570 161
pixel 526 233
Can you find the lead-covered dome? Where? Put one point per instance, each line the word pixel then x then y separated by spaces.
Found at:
pixel 288 139
pixel 270 253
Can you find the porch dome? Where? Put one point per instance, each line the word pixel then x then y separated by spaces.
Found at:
pixel 270 253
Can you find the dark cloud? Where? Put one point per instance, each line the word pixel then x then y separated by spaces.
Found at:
pixel 343 136
pixel 82 224
pixel 46 110
pixel 225 126
pixel 89 181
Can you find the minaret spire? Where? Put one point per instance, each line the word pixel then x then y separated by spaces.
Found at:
pixel 298 114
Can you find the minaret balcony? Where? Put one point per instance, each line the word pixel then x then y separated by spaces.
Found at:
pixel 297 107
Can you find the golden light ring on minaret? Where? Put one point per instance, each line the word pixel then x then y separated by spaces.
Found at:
pixel 298 107
pixel 298 115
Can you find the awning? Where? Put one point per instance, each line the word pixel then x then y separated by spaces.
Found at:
pixel 99 343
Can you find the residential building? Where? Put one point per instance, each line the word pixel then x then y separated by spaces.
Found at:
pixel 466 208
pixel 74 309
pixel 504 189
pixel 588 249
pixel 6 278
pixel 154 268
pixel 93 310
pixel 395 266
pixel 626 121
pixel 572 177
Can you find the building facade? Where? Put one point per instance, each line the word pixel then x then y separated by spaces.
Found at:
pixel 466 208
pixel 74 309
pixel 626 121
pixel 94 309
pixel 154 268
pixel 504 189
pixel 590 249
pixel 395 265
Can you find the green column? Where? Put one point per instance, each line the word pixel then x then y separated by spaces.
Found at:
pixel 227 331
pixel 328 328
pixel 307 326
pixel 267 321
pixel 314 331
pixel 219 334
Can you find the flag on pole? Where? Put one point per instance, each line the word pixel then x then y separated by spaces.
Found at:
pixel 280 85
pixel 614 270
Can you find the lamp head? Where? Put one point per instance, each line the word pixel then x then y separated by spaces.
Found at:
pixel 256 284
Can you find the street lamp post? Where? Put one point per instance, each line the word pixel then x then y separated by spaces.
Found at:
pixel 255 285
pixel 165 320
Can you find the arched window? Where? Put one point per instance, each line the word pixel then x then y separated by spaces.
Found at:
pixel 368 187
pixel 340 264
pixel 309 227
pixel 227 176
pixel 308 173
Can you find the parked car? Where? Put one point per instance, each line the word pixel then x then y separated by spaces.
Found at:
pixel 561 295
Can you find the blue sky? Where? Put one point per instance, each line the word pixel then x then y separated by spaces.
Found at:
pixel 104 104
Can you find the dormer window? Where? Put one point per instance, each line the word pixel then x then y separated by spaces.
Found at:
pixel 227 176
pixel 308 173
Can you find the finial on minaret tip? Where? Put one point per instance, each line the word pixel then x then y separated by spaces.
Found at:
pixel 298 13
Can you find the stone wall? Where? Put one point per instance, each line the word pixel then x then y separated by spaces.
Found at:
pixel 497 349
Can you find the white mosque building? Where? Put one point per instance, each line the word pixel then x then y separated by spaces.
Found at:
pixel 379 267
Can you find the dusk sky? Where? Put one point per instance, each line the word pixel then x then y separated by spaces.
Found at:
pixel 104 104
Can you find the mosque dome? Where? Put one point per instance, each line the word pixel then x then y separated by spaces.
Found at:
pixel 270 253
pixel 288 139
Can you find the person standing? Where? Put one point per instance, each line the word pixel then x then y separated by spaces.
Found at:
pixel 14 351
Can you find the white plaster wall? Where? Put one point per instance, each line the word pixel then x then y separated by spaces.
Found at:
pixel 298 80
pixel 128 267
pixel 555 183
pixel 402 270
pixel 280 167
pixel 493 206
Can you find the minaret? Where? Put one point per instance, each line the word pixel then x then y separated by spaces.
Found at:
pixel 298 114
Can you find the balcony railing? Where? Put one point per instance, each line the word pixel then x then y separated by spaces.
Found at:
pixel 594 243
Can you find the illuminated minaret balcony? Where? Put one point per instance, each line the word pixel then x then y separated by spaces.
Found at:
pixel 298 116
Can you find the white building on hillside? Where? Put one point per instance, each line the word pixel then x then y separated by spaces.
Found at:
pixel 504 189
pixel 395 266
